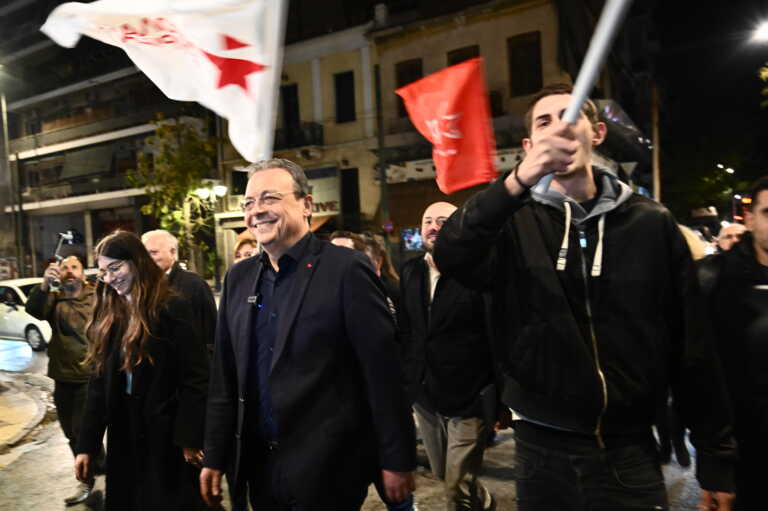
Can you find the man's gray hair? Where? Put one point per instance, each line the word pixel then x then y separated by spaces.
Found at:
pixel 170 238
pixel 300 182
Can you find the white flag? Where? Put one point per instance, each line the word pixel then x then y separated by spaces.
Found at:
pixel 224 54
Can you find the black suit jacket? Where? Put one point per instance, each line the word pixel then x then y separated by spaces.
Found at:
pixel 335 379
pixel 446 347
pixel 193 288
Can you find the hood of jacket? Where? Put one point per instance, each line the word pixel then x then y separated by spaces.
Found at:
pixel 612 193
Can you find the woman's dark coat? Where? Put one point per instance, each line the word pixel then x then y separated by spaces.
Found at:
pixel 167 410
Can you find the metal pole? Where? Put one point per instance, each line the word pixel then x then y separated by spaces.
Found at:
pixel 655 136
pixel 20 216
pixel 607 27
pixel 381 166
pixel 9 179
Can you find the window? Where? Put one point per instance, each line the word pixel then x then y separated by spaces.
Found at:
pixel 406 72
pixel 9 296
pixel 289 101
pixel 524 53
pixel 461 54
pixel 344 84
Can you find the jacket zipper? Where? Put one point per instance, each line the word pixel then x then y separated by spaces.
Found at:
pixel 588 305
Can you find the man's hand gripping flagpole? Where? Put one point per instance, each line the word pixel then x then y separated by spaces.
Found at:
pixel 605 32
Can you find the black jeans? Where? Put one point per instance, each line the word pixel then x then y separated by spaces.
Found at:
pixel 558 473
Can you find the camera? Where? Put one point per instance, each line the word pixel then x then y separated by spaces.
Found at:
pixel 68 237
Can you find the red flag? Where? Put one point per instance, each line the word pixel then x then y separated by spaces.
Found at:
pixel 450 108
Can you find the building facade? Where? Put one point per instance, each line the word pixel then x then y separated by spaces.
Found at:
pixel 78 119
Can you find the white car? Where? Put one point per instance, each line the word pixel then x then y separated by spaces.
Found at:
pixel 15 323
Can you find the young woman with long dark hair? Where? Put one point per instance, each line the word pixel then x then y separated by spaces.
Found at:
pixel 149 385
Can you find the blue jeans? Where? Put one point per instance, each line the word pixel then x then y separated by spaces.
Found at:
pixel 555 474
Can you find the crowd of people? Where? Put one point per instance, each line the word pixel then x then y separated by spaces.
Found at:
pixel 574 313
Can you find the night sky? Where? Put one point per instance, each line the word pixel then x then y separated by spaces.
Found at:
pixel 710 113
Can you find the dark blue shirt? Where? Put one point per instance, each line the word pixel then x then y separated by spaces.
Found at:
pixel 272 291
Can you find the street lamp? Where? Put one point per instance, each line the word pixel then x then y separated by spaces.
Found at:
pixel 761 33
pixel 211 190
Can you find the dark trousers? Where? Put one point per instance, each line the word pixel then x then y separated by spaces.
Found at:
pixel 671 435
pixel 268 489
pixel 750 472
pixel 237 498
pixel 560 471
pixel 69 399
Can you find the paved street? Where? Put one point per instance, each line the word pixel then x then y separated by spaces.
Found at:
pixel 37 473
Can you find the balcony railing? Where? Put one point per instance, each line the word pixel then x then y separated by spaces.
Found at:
pixel 114 123
pixel 75 187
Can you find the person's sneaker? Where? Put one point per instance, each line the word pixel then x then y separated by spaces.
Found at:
pixel 81 494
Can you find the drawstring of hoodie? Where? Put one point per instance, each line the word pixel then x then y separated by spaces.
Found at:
pixel 562 255
pixel 597 263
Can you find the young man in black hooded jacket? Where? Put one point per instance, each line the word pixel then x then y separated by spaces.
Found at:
pixel 597 314
pixel 735 284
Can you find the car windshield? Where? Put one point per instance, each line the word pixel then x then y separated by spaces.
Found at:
pixel 27 289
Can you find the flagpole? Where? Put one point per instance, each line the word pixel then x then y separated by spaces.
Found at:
pixel 605 32
pixel 282 12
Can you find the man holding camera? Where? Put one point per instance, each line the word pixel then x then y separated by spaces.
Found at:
pixel 66 300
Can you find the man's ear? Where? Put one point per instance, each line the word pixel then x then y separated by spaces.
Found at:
pixel 599 130
pixel 527 144
pixel 308 202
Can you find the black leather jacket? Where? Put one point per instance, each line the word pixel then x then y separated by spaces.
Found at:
pixel 594 353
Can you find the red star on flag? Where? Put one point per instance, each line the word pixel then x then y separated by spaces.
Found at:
pixel 233 71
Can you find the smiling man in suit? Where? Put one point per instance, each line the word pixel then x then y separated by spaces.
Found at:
pixel 306 402
pixel 449 371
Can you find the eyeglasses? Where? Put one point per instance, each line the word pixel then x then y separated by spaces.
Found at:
pixel 266 199
pixel 112 270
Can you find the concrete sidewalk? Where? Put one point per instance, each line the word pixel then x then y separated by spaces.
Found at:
pixel 22 406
